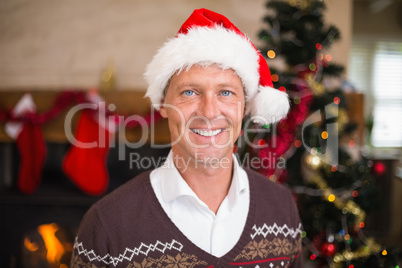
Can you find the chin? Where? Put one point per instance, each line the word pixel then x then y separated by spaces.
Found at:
pixel 213 155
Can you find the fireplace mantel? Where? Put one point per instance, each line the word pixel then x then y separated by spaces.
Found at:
pixel 127 102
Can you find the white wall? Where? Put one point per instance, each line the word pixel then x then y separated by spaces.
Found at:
pixel 340 14
pixel 369 23
pixel 57 44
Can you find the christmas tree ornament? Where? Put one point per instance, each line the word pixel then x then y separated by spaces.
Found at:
pixel 379 168
pixel 328 249
pixel 337 100
pixel 30 143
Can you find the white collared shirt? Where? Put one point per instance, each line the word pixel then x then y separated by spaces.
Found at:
pixel 215 234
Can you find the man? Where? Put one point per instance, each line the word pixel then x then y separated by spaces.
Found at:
pixel 200 209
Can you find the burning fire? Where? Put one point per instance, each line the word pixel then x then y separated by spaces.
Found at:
pixel 48 245
pixel 31 246
pixel 55 249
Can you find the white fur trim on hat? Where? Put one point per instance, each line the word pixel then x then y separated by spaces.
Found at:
pixel 203 45
pixel 268 106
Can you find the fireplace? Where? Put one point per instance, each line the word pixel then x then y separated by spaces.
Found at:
pixel 38 230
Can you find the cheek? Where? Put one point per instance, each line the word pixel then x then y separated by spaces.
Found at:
pixel 176 117
pixel 235 111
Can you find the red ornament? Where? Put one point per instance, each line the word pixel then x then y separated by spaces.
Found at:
pixel 379 168
pixel 355 193
pixel 298 143
pixel 261 143
pixel 328 249
pixel 337 100
pixel 352 143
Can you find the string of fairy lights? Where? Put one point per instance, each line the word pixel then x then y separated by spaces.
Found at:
pixel 349 206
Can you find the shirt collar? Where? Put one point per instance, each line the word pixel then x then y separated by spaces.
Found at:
pixel 239 183
pixel 173 185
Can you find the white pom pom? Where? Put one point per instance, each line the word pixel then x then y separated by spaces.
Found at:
pixel 268 106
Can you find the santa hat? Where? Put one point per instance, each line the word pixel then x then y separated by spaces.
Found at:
pixel 208 38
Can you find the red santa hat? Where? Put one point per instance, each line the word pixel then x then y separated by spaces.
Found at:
pixel 208 38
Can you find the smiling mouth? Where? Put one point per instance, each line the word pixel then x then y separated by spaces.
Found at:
pixel 206 133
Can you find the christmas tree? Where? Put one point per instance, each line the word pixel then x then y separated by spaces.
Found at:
pixel 330 178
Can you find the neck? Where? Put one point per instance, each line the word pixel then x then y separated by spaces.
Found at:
pixel 209 181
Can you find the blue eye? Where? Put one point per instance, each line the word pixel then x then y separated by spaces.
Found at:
pixel 226 93
pixel 188 92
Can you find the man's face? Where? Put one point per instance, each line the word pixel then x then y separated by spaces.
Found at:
pixel 205 108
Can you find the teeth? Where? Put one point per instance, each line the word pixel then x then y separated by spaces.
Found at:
pixel 207 133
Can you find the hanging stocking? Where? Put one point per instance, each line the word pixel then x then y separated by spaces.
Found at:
pixel 31 146
pixel 86 167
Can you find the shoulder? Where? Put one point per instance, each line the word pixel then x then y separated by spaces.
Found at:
pixel 128 190
pixel 114 220
pixel 124 200
pixel 264 185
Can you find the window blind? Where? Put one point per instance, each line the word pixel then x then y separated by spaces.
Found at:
pixel 376 70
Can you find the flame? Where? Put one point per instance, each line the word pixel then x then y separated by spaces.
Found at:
pixel 31 246
pixel 54 247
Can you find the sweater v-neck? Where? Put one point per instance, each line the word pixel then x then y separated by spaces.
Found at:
pixel 212 260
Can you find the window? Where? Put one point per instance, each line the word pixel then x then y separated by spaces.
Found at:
pixel 375 69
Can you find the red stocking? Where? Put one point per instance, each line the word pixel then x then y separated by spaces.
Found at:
pixel 32 148
pixel 86 167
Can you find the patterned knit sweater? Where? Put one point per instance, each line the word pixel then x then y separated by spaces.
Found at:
pixel 129 228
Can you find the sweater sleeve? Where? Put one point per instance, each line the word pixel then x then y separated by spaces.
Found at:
pixel 91 246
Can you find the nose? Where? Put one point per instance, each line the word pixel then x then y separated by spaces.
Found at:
pixel 209 106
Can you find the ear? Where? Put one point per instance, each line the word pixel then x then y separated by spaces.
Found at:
pixel 162 109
